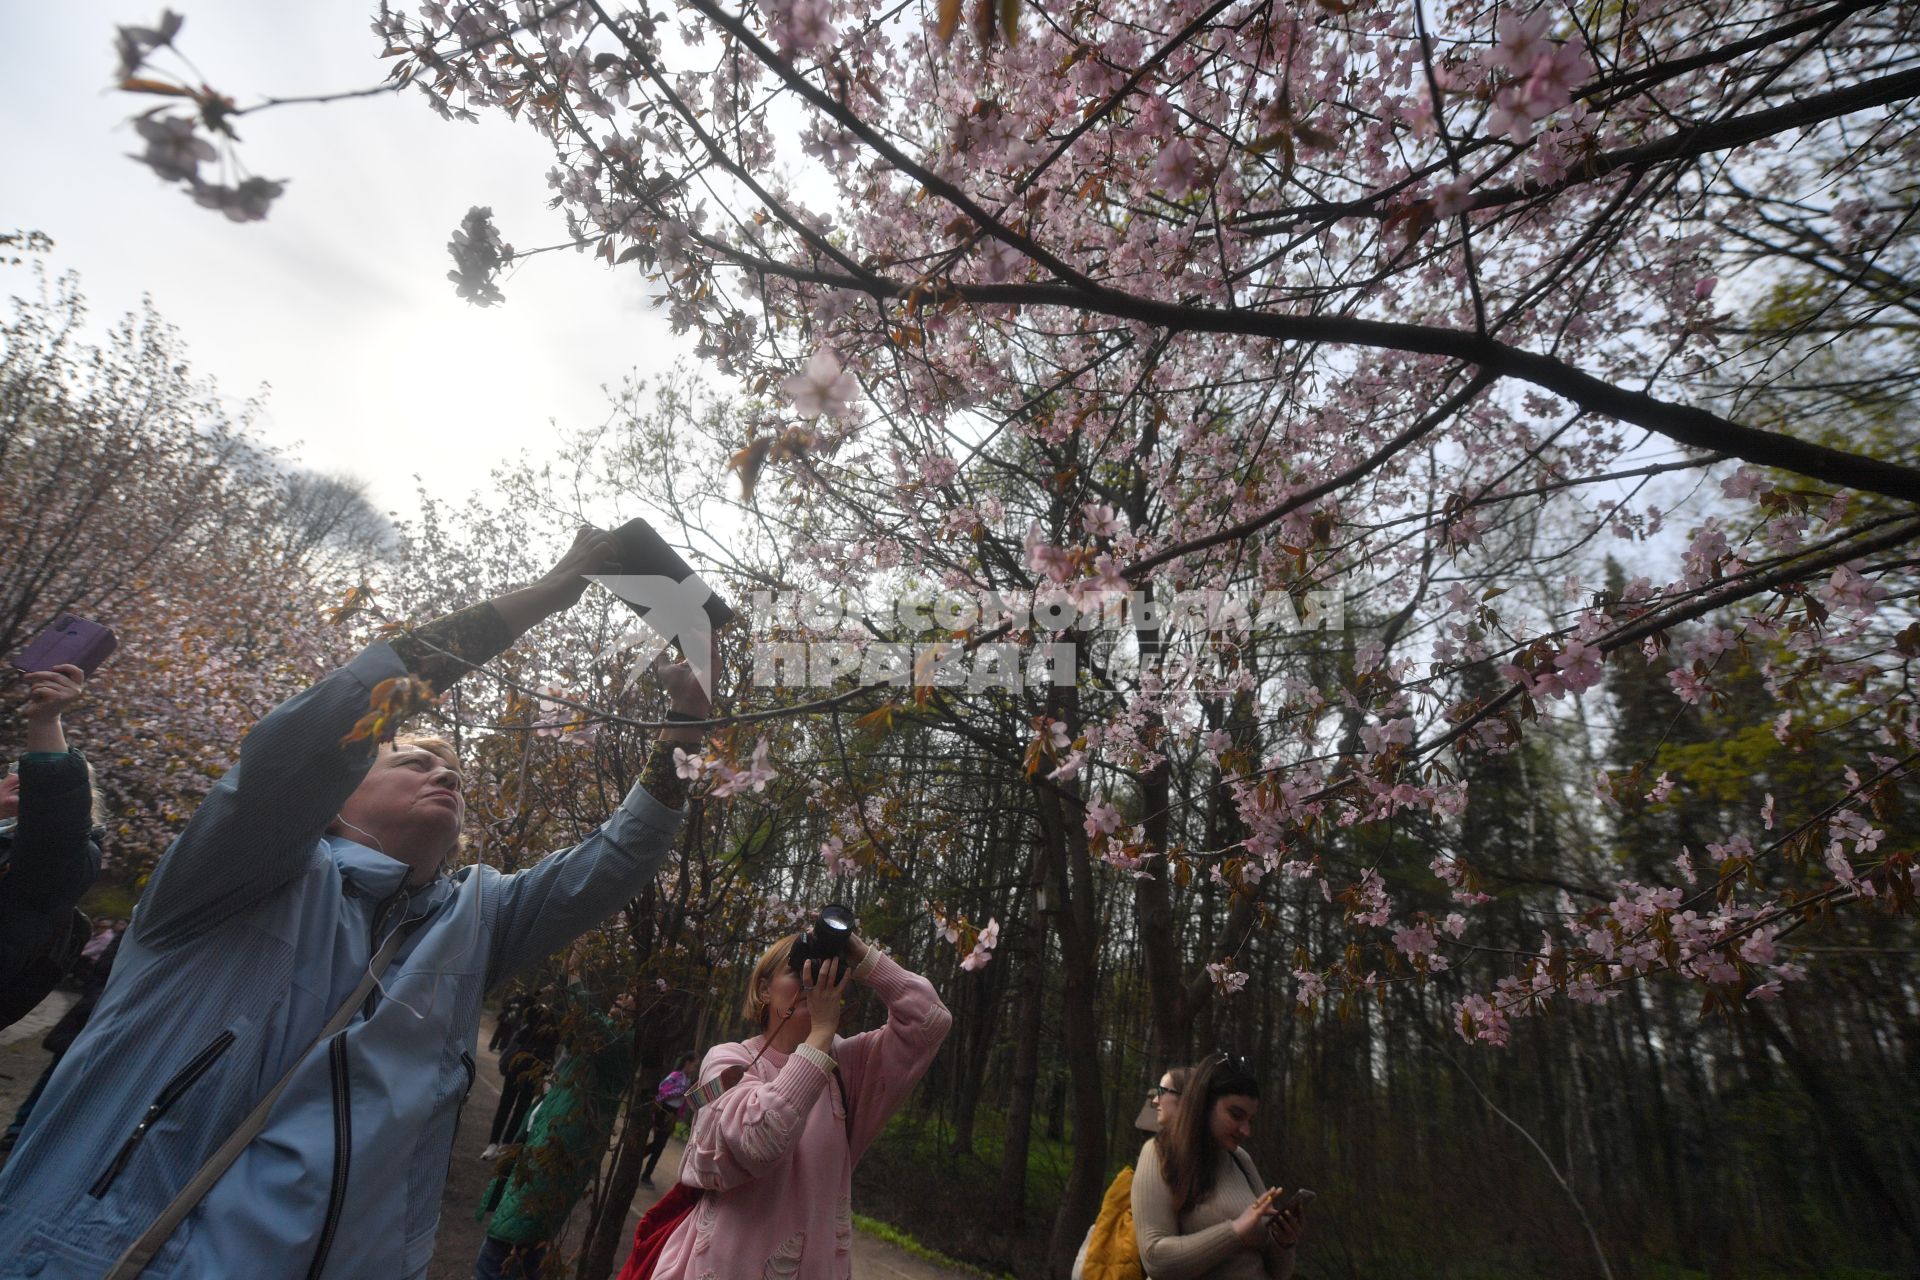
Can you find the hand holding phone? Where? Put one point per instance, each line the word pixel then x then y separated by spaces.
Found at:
pixel 1256 1219
pixel 50 693
pixel 1299 1197
pixel 643 552
pixel 1289 1217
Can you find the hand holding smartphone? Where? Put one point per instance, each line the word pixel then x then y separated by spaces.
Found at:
pixel 1284 1227
pixel 69 641
pixel 1298 1198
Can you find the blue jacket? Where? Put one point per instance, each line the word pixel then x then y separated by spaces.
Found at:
pixel 254 928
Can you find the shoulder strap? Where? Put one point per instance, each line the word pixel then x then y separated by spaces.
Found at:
pixel 1246 1171
pixel 142 1251
pixel 846 1106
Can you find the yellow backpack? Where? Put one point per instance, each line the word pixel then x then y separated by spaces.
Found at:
pixel 1111 1253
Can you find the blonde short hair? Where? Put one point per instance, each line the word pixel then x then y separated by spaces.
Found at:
pixel 772 960
pixel 441 750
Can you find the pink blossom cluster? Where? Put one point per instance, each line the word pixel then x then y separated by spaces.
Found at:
pixel 1229 980
pixel 1126 302
pixel 721 778
pixel 1543 74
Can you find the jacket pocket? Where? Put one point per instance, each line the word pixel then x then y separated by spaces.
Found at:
pixel 169 1094
pixel 342 1151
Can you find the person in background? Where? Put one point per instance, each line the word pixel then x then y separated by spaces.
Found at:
pixel 524 1065
pixel 566 1136
pixel 669 1108
pixel 512 1009
pixel 49 849
pixel 1200 1210
pixel 1163 1100
pixel 93 980
pixel 1109 1247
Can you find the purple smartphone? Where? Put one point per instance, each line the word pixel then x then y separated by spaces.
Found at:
pixel 69 640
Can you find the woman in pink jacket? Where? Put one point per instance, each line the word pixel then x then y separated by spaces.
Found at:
pixel 774 1155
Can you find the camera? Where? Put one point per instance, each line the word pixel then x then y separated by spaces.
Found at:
pixel 828 940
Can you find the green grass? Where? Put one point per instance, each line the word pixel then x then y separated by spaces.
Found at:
pixel 108 899
pixel 926 1137
pixel 907 1244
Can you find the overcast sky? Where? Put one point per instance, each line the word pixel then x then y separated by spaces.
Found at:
pixel 339 302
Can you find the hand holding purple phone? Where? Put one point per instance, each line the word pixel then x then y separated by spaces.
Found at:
pixel 50 693
pixel 69 641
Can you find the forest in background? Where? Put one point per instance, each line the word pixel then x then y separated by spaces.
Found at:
pixel 1648 1135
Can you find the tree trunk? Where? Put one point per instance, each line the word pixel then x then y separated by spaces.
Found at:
pixel 1072 878
pixel 984 1024
pixel 1010 1198
pixel 607 1233
pixel 1856 1157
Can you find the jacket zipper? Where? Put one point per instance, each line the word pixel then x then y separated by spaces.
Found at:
pixel 343 1103
pixel 460 1108
pixel 342 1151
pixel 168 1095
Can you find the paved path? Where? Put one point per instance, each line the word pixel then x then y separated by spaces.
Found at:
pixel 21 1057
pixel 461 1236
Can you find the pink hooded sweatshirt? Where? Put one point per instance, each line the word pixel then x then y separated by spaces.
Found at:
pixel 772 1153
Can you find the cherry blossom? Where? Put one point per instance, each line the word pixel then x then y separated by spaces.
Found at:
pixel 175 150
pixel 1229 980
pixel 823 387
pixel 1102 818
pixel 983 946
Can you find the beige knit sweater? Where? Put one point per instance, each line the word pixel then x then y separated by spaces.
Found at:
pixel 1200 1244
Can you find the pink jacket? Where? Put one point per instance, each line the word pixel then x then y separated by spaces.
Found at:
pixel 772 1153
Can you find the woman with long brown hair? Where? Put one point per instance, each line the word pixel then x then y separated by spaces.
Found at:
pixel 1200 1210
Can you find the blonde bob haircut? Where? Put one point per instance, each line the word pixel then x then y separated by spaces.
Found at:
pixel 772 961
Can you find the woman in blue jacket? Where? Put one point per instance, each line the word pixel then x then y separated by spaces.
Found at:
pixel 308 857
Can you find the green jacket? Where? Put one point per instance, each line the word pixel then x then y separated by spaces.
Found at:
pixel 567 1134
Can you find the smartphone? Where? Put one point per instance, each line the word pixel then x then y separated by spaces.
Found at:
pixel 644 551
pixel 70 640
pixel 1298 1198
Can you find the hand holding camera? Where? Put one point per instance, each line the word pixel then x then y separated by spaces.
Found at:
pixel 825 993
pixel 823 959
